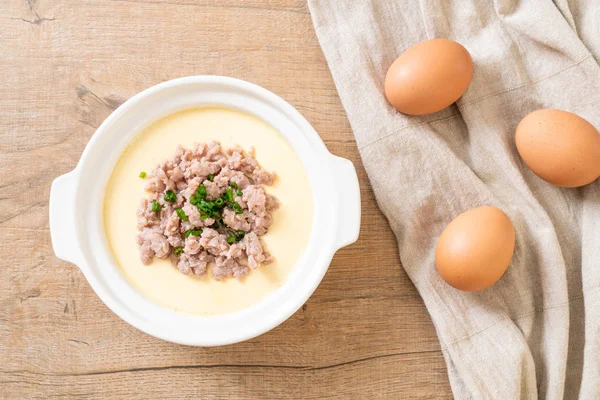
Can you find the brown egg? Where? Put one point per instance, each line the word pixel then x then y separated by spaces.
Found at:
pixel 475 249
pixel 428 77
pixel 560 147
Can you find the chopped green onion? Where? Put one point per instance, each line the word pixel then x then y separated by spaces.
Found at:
pixel 228 194
pixel 205 206
pixel 194 200
pixel 210 177
pixel 178 251
pixel 202 191
pixel 170 196
pixel 239 192
pixel 211 209
pixel 233 185
pixel 193 232
pixel 142 174
pixel 155 206
pixel 181 214
pixel 235 236
pixel 238 209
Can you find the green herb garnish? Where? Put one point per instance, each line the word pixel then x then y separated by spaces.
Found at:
pixel 209 209
pixel 181 215
pixel 238 209
pixel 213 209
pixel 201 191
pixel 170 196
pixel 205 206
pixel 233 185
pixel 193 232
pixel 239 192
pixel 228 195
pixel 142 174
pixel 155 206
pixel 210 177
pixel 178 251
pixel 235 236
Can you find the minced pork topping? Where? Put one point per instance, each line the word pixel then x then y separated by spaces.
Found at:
pixel 207 206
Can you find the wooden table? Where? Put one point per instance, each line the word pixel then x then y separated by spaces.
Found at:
pixel 64 67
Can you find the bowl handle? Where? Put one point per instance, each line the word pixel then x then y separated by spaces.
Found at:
pixel 348 190
pixel 63 229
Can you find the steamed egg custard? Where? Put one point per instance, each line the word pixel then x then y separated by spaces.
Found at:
pixel 285 240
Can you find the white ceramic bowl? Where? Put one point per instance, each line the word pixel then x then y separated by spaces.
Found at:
pixel 76 208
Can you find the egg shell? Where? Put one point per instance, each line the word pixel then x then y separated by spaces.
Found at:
pixel 428 77
pixel 475 249
pixel 560 147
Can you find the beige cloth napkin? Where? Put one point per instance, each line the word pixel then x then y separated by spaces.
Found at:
pixel 535 333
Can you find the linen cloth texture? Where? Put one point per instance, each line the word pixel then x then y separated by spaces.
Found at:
pixel 536 332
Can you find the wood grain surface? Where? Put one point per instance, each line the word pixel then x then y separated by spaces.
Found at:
pixel 64 66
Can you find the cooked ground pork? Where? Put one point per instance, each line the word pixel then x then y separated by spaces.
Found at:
pixel 207 206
